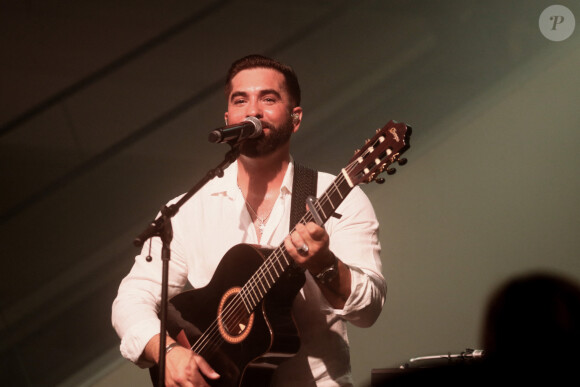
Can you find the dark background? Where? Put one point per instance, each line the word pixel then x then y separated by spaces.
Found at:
pixel 105 108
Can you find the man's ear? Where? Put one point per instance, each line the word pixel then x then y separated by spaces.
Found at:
pixel 296 117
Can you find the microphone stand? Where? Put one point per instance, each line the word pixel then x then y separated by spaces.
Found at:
pixel 161 227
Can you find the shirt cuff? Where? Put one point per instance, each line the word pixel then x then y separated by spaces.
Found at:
pixel 362 294
pixel 136 338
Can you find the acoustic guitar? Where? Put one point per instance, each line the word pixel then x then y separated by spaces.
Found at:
pixel 241 322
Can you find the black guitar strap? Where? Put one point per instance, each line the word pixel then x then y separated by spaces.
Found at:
pixel 303 185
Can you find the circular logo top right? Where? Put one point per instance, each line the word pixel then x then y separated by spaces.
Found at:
pixel 557 23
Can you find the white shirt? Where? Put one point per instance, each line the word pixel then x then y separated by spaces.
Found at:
pixel 214 220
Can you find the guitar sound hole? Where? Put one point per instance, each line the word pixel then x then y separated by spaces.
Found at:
pixel 237 320
pixel 234 322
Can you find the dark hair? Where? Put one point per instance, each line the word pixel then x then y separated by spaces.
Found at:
pixel 259 61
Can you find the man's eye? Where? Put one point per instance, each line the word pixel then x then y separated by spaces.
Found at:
pixel 238 101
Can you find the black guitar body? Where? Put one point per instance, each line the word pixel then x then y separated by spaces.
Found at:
pixel 246 354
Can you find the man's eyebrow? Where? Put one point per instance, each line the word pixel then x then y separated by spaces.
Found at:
pixel 238 94
pixel 270 91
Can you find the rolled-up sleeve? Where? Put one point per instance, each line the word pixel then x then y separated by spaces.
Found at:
pixel 354 239
pixel 135 309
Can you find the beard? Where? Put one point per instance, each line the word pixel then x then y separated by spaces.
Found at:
pixel 266 144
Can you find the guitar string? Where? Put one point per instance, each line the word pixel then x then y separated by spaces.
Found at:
pixel 235 312
pixel 265 270
pixel 253 282
pixel 262 272
pixel 234 309
pixel 333 189
pixel 241 315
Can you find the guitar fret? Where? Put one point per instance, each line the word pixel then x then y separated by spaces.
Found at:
pixel 272 278
pixel 320 208
pixel 264 277
pixel 285 259
pixel 255 300
pixel 275 271
pixel 343 188
pixel 282 268
pixel 328 198
pixel 258 290
pixel 337 189
pixel 329 207
pixel 250 305
pixel 264 288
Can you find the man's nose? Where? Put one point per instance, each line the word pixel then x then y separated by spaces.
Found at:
pixel 254 110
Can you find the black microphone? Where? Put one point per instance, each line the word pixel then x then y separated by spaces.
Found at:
pixel 249 128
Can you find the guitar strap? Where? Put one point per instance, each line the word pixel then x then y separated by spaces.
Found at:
pixel 303 185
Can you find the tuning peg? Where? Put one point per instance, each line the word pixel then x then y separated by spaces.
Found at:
pixel 391 171
pixel 356 151
pixel 402 161
pixel 380 180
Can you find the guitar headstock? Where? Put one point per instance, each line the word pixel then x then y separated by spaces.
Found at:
pixel 378 153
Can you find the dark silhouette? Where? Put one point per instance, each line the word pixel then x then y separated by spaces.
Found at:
pixel 532 329
pixel 531 335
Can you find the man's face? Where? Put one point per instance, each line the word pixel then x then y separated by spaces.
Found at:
pixel 261 93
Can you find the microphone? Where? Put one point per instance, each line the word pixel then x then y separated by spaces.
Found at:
pixel 249 128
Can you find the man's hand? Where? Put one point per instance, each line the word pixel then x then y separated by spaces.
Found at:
pixel 308 245
pixel 183 367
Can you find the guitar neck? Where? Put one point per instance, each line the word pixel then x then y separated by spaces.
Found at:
pixel 254 291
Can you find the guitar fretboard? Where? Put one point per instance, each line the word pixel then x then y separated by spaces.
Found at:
pixel 258 286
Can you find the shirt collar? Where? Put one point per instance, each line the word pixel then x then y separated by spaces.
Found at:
pixel 228 184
